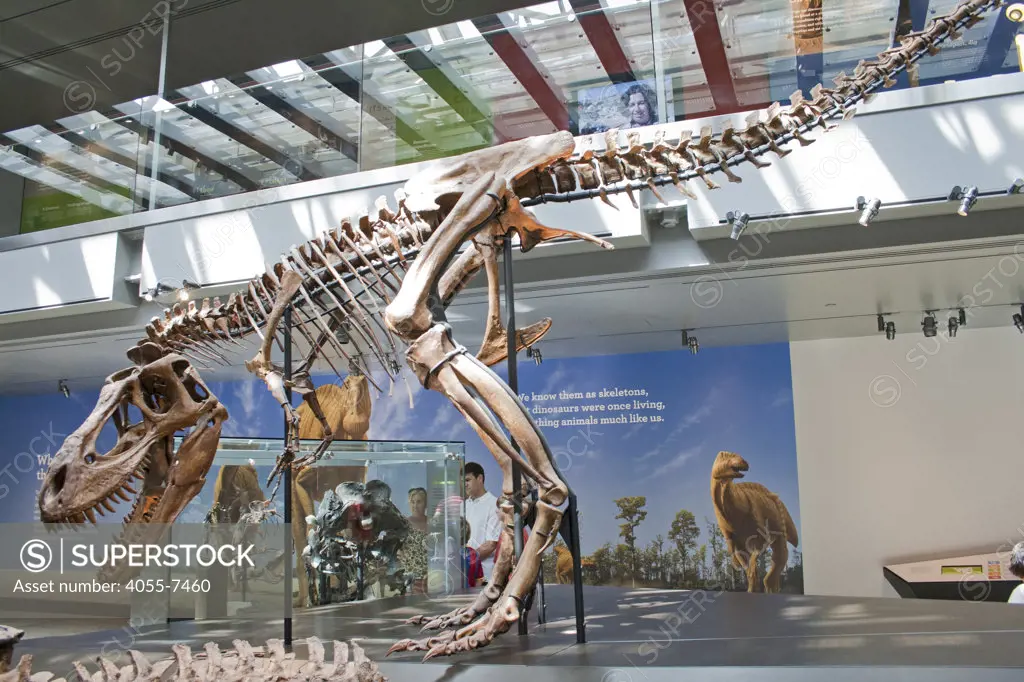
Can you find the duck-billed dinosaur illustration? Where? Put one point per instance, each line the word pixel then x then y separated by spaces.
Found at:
pixel 752 519
pixel 244 663
pixel 563 565
pixel 379 286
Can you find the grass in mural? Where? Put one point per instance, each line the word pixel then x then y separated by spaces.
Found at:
pixel 671 561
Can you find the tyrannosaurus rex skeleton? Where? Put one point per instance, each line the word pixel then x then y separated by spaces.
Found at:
pixel 384 280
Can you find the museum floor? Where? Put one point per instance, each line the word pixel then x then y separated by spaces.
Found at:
pixel 737 636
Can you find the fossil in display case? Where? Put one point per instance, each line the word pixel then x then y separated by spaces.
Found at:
pixel 355 536
pixel 378 286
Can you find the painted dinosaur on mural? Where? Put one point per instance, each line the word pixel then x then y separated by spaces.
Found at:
pixel 244 663
pixel 563 565
pixel 378 287
pixel 753 519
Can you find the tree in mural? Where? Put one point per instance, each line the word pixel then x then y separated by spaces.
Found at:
pixel 659 559
pixel 623 561
pixel 699 558
pixel 601 560
pixel 793 577
pixel 684 533
pixel 631 510
pixel 720 569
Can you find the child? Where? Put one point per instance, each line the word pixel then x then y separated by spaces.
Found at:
pixel 526 536
pixel 471 564
pixel 1017 568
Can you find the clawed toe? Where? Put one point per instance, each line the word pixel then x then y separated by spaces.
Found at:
pixel 457 618
pixel 477 634
pixel 401 645
pixel 429 644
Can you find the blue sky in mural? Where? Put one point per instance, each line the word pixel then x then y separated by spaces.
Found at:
pixel 736 398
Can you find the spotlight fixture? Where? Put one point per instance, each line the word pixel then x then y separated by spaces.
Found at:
pixel 62 385
pixel 1018 322
pixel 881 322
pixel 186 286
pixel 534 353
pixel 963 317
pixel 739 221
pixel 928 325
pixel 160 288
pixel 967 197
pixel 954 324
pixel 691 343
pixel 890 330
pixel 868 209
pixel 1016 187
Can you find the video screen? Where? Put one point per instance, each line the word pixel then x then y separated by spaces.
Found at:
pixel 620 105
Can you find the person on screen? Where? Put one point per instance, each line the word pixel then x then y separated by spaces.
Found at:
pixel 1017 568
pixel 639 103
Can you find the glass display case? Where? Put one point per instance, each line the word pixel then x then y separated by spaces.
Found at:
pixel 385 519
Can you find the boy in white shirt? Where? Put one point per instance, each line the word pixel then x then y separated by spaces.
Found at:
pixel 482 515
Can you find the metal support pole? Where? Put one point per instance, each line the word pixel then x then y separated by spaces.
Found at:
pixel 577 568
pixel 542 614
pixel 513 383
pixel 158 110
pixel 288 549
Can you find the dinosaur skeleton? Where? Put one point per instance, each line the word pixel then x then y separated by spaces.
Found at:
pixel 242 664
pixel 383 280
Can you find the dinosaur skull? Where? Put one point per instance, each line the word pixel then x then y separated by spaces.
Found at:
pixel 170 397
pixel 729 465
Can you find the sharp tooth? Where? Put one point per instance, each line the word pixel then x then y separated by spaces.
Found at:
pixel 122 496
pixel 130 489
pixel 102 513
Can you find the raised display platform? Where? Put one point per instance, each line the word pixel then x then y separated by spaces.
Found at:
pixel 736 636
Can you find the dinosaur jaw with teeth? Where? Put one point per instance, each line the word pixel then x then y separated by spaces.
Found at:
pixel 142 467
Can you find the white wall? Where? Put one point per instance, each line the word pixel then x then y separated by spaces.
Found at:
pixel 64 278
pixel 907 450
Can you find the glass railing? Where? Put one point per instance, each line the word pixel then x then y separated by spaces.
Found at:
pixel 580 65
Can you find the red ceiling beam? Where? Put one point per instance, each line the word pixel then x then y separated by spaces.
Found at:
pixel 602 37
pixel 510 47
pixel 704 24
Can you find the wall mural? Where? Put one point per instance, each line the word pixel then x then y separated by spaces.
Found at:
pixel 637 436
